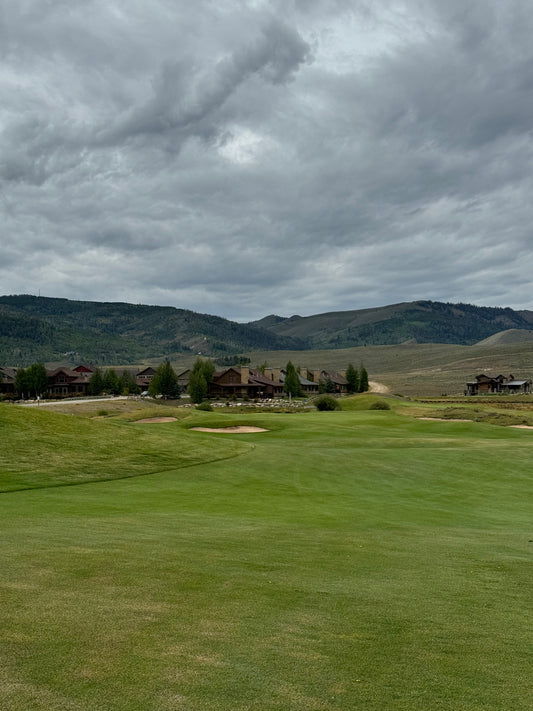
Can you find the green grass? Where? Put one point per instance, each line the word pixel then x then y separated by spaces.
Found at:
pixel 342 560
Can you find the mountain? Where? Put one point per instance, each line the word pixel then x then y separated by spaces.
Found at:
pixel 36 328
pixel 418 321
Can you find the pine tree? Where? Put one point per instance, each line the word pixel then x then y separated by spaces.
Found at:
pixel 363 379
pixel 353 379
pixel 96 383
pixel 165 382
pixel 292 381
pixel 128 384
pixel 111 384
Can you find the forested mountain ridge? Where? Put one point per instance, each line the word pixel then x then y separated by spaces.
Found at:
pixel 45 329
pixel 420 321
pixel 35 328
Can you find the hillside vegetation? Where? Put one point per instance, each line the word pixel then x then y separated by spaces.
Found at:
pixel 36 328
pixel 421 321
pixel 50 330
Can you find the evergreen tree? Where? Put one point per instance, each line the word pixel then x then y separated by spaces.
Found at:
pixel 165 382
pixel 352 377
pixel 111 383
pixel 330 386
pixel 21 383
pixel 292 381
pixel 96 383
pixel 201 376
pixel 128 384
pixel 363 379
pixel 205 367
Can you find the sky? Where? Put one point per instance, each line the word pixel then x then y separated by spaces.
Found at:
pixel 243 157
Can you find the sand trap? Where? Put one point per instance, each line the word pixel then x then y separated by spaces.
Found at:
pixel 522 427
pixel 230 430
pixel 442 419
pixel 150 420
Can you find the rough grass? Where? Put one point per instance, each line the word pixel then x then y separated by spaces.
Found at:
pixel 345 560
pixel 50 449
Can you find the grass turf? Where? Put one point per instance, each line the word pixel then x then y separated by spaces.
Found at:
pixel 342 560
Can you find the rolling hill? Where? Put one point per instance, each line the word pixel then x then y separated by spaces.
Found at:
pixel 420 321
pixel 47 329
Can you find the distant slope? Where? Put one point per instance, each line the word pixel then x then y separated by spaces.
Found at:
pixel 420 321
pixel 511 335
pixel 45 329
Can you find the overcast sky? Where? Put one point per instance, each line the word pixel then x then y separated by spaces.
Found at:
pixel 242 157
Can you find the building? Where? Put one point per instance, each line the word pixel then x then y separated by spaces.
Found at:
pixel 242 381
pixel 486 384
pixel 66 382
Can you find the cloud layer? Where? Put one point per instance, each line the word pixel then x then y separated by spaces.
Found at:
pixel 247 157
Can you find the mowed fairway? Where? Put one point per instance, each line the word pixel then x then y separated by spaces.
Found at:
pixel 341 560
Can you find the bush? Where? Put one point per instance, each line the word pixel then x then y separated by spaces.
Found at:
pixel 205 406
pixel 326 402
pixel 379 405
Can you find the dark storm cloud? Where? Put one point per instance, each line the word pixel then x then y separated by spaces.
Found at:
pixel 244 157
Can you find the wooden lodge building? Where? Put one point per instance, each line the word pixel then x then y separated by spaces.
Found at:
pixel 486 384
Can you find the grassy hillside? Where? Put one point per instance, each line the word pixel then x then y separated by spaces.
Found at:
pixel 344 560
pixel 511 335
pixel 416 369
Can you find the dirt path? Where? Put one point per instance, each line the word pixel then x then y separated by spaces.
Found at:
pixel 378 388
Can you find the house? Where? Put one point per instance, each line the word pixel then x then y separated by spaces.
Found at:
pixel 242 381
pixel 513 386
pixel 183 379
pixel 339 381
pixel 7 380
pixel 484 384
pixel 144 377
pixel 65 382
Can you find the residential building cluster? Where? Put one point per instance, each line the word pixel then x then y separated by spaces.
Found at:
pixel 234 381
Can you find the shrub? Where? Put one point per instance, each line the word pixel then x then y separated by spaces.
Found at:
pixel 326 402
pixel 205 406
pixel 379 405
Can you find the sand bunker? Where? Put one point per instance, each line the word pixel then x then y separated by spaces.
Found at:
pixel 230 430
pixel 522 427
pixel 443 419
pixel 150 420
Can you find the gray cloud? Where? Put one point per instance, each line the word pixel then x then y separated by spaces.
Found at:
pixel 220 158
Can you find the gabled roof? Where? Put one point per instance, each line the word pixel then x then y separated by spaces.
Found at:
pixel 335 377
